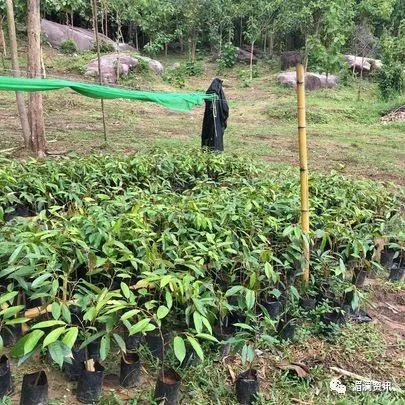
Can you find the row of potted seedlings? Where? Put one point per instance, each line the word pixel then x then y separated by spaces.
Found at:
pixel 86 369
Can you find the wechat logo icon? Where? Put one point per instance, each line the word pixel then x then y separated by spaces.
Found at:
pixel 337 386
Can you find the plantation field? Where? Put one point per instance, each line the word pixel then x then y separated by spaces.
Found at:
pixel 344 134
pixel 188 242
pixel 145 233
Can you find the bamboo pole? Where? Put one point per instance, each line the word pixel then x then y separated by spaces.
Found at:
pixel 95 25
pixel 303 153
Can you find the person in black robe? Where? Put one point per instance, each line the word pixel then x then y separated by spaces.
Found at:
pixel 215 118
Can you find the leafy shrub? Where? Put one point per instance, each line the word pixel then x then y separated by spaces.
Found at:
pixel 391 80
pixel 175 77
pixel 68 47
pixel 193 68
pixel 228 57
pixel 153 48
pixel 244 75
pixel 105 47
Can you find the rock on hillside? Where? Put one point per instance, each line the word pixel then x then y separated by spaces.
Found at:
pixel 313 81
pixel 109 66
pixel 244 56
pixel 369 64
pixel 126 63
pixel 56 33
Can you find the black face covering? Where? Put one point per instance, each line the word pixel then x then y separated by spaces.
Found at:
pixel 215 118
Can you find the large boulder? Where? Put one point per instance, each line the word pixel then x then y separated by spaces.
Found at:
pixel 256 50
pixel 313 81
pixel 109 64
pixel 56 34
pixel 154 65
pixel 357 63
pixel 245 56
pixel 124 61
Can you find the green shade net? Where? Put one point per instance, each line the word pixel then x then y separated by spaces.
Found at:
pixel 173 101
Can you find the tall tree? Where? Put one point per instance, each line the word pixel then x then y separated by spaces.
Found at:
pixel 36 114
pixel 16 73
pixel 2 41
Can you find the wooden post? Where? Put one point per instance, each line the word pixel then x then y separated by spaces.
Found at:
pixel 303 153
pixel 95 25
pixel 15 66
pixel 36 114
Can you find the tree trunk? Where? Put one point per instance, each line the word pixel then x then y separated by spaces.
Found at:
pixel 106 23
pixel 95 27
pixel 251 60
pixel 34 71
pixel 181 44
pixel 16 73
pixel 271 45
pixel 241 33
pixel 136 38
pixel 2 41
pixel 361 79
pixel 220 42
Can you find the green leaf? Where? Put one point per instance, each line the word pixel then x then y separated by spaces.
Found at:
pixel 198 323
pixel 169 299
pixel 206 336
pixel 233 290
pixel 15 254
pixel 244 326
pixel 120 342
pixel 39 280
pixel 294 292
pixel 1 344
pixel 104 347
pixel 56 310
pixel 91 339
pixel 7 297
pixel 250 299
pixel 27 343
pixel 244 354
pixel 70 337
pixel 129 314
pixel 53 336
pixel 162 312
pixel 139 327
pixel 179 348
pixel 125 290
pixel 17 321
pixel 196 346
pixel 58 352
pixel 355 301
pixel 48 324
pixel 11 311
pixel 66 313
pixel 207 324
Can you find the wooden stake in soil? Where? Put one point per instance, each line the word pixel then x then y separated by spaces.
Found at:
pixel 303 152
pixel 15 66
pixel 89 364
pixel 95 26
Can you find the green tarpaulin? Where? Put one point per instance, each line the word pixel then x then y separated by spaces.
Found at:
pixel 174 101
